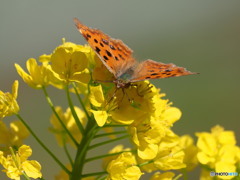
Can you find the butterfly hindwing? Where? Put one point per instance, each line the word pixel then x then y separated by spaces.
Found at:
pixel 115 55
pixel 150 69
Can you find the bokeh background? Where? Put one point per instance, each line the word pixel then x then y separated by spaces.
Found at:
pixel 203 36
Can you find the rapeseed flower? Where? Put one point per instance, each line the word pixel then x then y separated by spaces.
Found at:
pixel 12 136
pixel 8 102
pixel 67 119
pixel 39 75
pixel 124 167
pixel 190 150
pixel 70 62
pixel 17 164
pixel 218 150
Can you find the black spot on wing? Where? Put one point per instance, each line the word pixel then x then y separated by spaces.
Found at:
pixel 105 41
pixel 121 56
pixel 97 49
pixel 105 57
pixel 108 53
pixel 112 47
pixel 101 44
pixel 116 58
pixel 88 35
pixel 96 41
pixel 153 74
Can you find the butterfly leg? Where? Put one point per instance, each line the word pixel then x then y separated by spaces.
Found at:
pixel 112 97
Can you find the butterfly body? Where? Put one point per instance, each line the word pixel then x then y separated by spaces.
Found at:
pixel 118 59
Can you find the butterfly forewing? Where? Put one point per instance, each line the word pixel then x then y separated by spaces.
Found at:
pixel 115 55
pixel 150 69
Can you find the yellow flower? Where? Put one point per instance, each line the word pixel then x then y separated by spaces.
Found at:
pixel 14 135
pixel 156 117
pixel 100 107
pixel 17 164
pixel 39 75
pixel 69 121
pixel 71 62
pixel 147 136
pixel 218 150
pixel 124 167
pixel 8 102
pixel 190 150
pixel 116 149
pixel 169 156
pixel 163 176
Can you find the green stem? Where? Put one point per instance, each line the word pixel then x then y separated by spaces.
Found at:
pixel 90 131
pixel 177 177
pixel 145 163
pixel 114 125
pixel 80 100
pixel 101 178
pixel 108 134
pixel 106 142
pixel 43 145
pixel 103 156
pixel 78 122
pixel 94 174
pixel 58 118
pixel 26 176
pixel 67 153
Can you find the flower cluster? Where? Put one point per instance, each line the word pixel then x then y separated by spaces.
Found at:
pixel 138 112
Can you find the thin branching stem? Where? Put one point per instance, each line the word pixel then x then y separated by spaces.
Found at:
pixel 109 134
pixel 78 122
pixel 58 118
pixel 94 174
pixel 105 155
pixel 43 145
pixel 68 154
pixel 107 142
pixel 80 100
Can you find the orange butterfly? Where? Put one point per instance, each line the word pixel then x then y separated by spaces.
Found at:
pixel 117 57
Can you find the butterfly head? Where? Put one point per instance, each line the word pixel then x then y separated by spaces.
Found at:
pixel 120 83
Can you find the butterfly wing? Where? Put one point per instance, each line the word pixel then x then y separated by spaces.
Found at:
pixel 114 54
pixel 150 69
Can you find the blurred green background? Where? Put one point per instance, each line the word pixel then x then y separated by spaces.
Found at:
pixel 203 36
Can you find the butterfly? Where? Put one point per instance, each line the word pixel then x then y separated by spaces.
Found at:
pixel 118 59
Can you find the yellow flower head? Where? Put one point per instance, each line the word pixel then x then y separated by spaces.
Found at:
pixel 148 130
pixel 68 119
pixel 39 75
pixel 100 108
pixel 190 150
pixel 17 164
pixel 116 149
pixel 170 155
pixel 12 136
pixel 71 62
pixel 8 102
pixel 218 150
pixel 124 167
